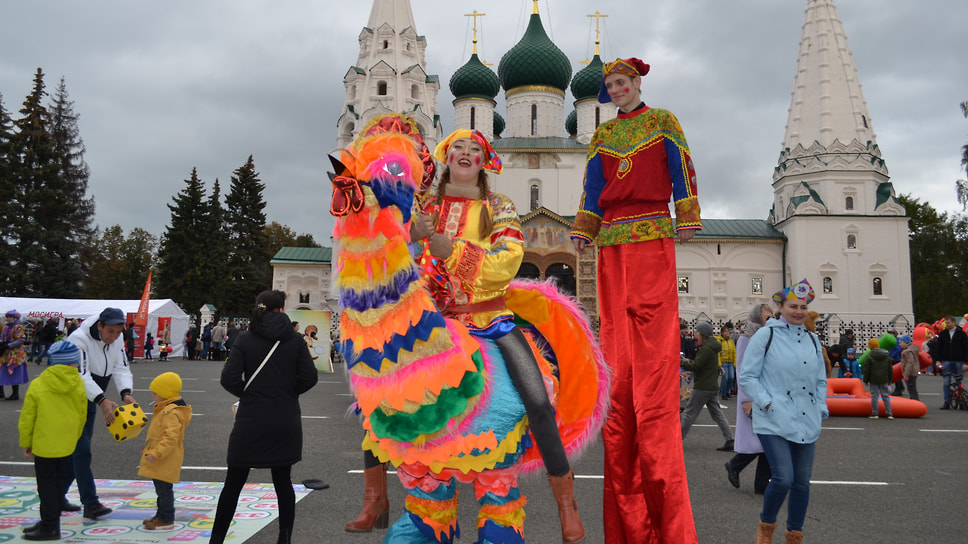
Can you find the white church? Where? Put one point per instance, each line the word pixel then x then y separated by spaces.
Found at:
pixel 835 219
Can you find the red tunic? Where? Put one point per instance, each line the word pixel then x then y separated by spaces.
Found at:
pixel 636 164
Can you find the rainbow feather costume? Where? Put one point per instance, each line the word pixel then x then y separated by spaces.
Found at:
pixel 436 401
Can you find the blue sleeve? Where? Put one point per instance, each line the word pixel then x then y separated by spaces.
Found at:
pixel 594 185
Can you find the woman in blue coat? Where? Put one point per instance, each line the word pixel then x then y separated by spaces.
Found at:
pixel 785 376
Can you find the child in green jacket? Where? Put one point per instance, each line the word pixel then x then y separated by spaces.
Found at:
pixel 53 416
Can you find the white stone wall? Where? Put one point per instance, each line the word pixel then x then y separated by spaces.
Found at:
pixel 550 113
pixel 311 279
pixel 559 178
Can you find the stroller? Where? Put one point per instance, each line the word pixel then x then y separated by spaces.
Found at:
pixel 958 395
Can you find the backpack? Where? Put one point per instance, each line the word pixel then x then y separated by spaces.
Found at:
pixel 770 341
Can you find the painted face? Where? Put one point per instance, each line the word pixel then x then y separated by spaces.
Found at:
pixel 623 90
pixel 109 333
pixel 795 311
pixel 465 159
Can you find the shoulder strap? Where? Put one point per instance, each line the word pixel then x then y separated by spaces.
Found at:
pixel 256 373
pixel 768 342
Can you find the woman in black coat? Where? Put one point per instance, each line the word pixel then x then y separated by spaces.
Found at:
pixel 268 426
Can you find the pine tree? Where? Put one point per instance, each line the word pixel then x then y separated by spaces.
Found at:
pixel 215 261
pixel 7 195
pixel 179 273
pixel 46 262
pixel 70 150
pixel 248 268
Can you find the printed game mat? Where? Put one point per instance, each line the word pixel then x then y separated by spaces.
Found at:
pixel 134 501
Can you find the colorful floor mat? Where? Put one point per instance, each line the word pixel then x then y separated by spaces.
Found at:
pixel 134 501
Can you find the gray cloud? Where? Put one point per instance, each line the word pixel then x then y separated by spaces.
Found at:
pixel 164 87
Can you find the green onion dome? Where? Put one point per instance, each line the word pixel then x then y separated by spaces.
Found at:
pixel 535 60
pixel 475 80
pixel 588 81
pixel 498 124
pixel 571 123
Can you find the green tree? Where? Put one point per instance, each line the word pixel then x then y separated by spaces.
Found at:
pixel 70 151
pixel 939 260
pixel 46 262
pixel 214 265
pixel 179 273
pixel 278 236
pixel 120 265
pixel 961 185
pixel 7 195
pixel 248 268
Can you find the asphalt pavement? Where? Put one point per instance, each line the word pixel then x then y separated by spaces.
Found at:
pixel 900 481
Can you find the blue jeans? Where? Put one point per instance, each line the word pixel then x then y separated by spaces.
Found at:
pixel 949 368
pixel 791 465
pixel 729 378
pixel 166 501
pixel 81 466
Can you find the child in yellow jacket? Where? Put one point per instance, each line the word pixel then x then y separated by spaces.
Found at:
pixel 53 416
pixel 164 451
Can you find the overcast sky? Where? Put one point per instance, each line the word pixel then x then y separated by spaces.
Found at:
pixel 162 87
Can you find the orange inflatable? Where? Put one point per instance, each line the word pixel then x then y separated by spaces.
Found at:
pixel 847 397
pixel 921 334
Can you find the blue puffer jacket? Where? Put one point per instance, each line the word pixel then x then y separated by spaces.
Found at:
pixel 788 382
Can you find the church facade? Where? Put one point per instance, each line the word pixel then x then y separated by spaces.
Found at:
pixel 835 219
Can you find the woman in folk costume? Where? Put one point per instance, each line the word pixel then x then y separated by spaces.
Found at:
pixel 636 163
pixel 13 360
pixel 476 245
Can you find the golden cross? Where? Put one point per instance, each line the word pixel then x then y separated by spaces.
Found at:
pixel 475 15
pixel 598 16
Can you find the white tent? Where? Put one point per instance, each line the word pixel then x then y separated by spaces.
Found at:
pixel 63 308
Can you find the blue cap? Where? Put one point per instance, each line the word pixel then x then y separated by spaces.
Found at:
pixel 63 353
pixel 111 316
pixel 906 339
pixel 851 351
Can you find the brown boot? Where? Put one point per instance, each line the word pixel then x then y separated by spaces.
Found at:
pixel 764 533
pixel 794 537
pixel 563 488
pixel 376 507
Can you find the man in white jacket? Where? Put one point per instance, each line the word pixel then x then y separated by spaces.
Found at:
pixel 102 358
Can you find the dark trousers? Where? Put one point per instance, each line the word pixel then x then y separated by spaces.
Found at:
pixel 166 501
pixel 50 473
pixel 527 378
pixel 228 499
pixel 762 478
pixel 81 466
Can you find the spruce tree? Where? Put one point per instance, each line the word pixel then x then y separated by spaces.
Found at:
pixel 215 262
pixel 46 262
pixel 248 268
pixel 70 150
pixel 180 273
pixel 7 195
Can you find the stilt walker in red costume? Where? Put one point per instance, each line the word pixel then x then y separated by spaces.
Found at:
pixel 636 164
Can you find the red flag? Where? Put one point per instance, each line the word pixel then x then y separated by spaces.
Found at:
pixel 141 320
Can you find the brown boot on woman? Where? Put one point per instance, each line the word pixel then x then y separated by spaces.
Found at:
pixel 563 488
pixel 376 507
pixel 764 533
pixel 794 537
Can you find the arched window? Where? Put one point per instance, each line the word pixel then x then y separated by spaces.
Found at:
pixel 878 287
pixel 534 119
pixel 473 115
pixel 564 276
pixel 528 270
pixel 381 88
pixel 849 203
pixel 828 285
pixel 303 298
pixel 598 116
pixel 414 91
pixel 386 44
pixel 535 196
pixel 851 241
